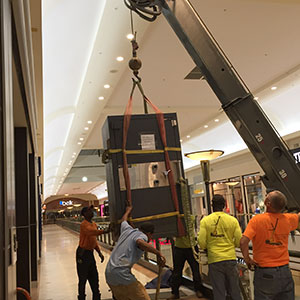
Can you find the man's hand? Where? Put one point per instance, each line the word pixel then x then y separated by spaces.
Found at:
pixel 128 209
pixel 126 214
pixel 250 263
pixel 108 229
pixel 101 256
pixel 161 260
pixel 244 244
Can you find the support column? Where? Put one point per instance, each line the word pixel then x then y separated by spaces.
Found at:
pixel 39 206
pixel 33 217
pixel 206 178
pixel 22 209
pixel 7 185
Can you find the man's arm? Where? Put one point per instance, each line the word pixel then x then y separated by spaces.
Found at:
pixel 89 230
pixel 126 214
pixel 244 245
pixel 202 236
pixel 298 228
pixel 148 248
pixel 237 235
pixel 97 248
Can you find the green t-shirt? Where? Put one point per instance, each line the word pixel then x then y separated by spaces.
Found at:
pixel 220 234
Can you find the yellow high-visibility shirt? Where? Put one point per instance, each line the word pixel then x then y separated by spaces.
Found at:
pixel 184 241
pixel 220 234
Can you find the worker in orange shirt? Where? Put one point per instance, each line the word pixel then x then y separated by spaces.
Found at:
pixel 86 264
pixel 269 233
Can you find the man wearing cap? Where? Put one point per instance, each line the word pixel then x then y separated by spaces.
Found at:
pixel 269 233
pixel 220 234
pixel 85 261
pixel 128 250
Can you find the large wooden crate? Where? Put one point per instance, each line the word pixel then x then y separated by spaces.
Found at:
pixel 151 194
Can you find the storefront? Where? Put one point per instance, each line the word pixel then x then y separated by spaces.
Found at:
pixel 68 206
pixel 243 194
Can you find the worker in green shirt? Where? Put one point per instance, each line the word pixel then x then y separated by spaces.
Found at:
pixel 220 234
pixel 183 252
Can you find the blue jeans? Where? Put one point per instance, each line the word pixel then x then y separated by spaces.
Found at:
pixel 224 279
pixel 273 283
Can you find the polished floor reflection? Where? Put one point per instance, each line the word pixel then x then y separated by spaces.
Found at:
pixel 57 270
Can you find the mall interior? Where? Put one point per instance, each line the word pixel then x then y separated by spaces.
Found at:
pixel 65 84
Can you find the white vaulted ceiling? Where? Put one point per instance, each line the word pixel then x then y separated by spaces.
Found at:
pixel 83 38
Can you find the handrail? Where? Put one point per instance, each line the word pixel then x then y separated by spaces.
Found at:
pixel 24 292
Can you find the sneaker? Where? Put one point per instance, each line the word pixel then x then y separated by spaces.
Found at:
pixel 199 294
pixel 173 297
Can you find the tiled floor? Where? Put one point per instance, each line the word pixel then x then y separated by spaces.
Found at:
pixel 57 270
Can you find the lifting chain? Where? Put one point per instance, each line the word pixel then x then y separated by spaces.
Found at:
pixel 147 9
pixel 135 64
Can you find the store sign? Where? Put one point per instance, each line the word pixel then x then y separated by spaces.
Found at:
pixel 66 203
pixel 296 153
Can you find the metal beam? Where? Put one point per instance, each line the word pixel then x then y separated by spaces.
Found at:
pixel 204 50
pixel 247 116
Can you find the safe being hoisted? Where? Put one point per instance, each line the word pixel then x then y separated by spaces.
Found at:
pixel 151 194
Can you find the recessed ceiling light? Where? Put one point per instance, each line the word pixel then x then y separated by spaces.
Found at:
pixel 181 141
pixel 188 136
pixel 120 58
pixel 81 139
pixel 84 179
pixel 86 128
pixel 217 120
pixel 255 98
pixel 90 122
pixel 106 86
pixel 273 88
pixel 130 36
pixel 101 98
pixel 205 126
pixel 79 143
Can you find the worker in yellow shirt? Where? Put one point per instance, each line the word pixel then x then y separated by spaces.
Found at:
pixel 220 234
pixel 183 252
pixel 85 261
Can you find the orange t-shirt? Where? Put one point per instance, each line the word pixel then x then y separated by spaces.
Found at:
pixel 88 234
pixel 269 234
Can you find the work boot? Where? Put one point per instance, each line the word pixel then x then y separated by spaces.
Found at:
pixel 199 294
pixel 97 296
pixel 174 296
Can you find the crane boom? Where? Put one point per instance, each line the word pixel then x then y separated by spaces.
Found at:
pixel 269 150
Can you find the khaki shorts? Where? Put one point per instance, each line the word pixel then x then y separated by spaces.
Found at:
pixel 133 291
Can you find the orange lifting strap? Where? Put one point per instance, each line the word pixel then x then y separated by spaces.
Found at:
pixel 24 292
pixel 162 130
